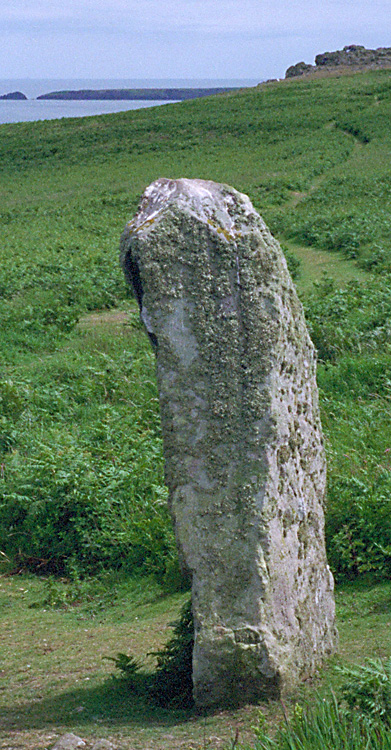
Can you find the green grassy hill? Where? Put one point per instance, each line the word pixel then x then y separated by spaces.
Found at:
pixel 81 471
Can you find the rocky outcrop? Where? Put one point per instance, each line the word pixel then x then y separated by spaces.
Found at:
pixel 300 69
pixel 17 95
pixel 354 56
pixel 245 463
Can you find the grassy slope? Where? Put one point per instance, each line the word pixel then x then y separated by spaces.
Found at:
pixel 311 155
pixel 313 158
pixel 69 186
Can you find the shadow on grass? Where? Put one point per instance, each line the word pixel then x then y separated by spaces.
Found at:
pixel 110 703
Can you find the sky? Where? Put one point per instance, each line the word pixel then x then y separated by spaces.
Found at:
pixel 215 39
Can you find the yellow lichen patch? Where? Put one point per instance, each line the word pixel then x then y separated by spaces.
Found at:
pixel 220 230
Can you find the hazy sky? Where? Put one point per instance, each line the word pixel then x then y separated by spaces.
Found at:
pixel 180 38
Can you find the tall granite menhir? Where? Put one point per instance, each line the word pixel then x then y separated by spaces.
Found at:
pixel 245 464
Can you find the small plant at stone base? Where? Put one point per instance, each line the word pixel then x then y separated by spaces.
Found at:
pixel 170 685
pixel 173 685
pixel 368 689
pixel 132 672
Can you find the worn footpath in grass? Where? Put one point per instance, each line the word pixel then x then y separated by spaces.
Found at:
pixel 315 264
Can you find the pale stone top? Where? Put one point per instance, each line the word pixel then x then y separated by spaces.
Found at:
pixel 213 203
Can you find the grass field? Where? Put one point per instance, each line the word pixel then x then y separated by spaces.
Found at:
pixel 83 502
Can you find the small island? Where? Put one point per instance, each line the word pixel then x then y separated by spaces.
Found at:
pixel 16 95
pixel 137 94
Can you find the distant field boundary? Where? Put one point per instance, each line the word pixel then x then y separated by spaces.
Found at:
pixel 138 94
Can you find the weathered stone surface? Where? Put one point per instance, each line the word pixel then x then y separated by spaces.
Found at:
pixel 69 742
pixel 245 464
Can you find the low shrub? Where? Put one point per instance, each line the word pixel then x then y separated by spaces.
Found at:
pixel 72 508
pixel 367 688
pixel 350 320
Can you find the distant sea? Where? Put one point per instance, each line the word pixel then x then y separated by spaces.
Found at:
pixel 44 109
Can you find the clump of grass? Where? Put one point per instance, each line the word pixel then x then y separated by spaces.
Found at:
pixel 325 725
pixel 361 719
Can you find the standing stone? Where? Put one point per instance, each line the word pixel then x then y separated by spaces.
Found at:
pixel 245 463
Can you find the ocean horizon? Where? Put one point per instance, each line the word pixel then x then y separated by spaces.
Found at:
pixel 32 109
